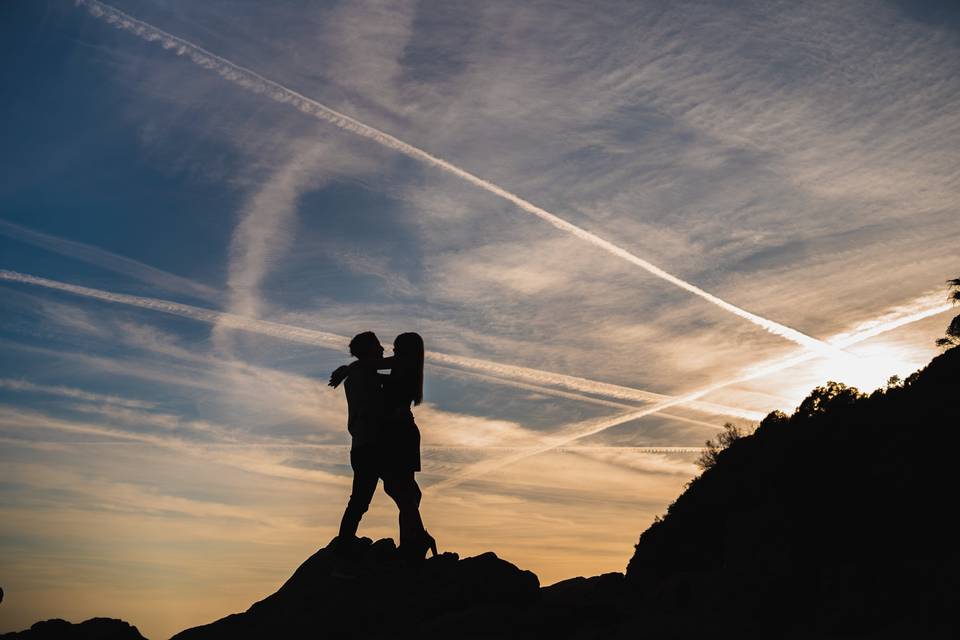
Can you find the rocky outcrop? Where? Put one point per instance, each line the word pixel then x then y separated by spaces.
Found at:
pixel 371 593
pixel 92 629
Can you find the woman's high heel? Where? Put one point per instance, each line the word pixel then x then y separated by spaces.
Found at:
pixel 429 543
pixel 415 553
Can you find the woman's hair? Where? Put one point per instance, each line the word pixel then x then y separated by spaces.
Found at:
pixel 409 346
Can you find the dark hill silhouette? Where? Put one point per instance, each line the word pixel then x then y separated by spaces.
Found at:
pixel 92 629
pixel 835 522
pixel 375 594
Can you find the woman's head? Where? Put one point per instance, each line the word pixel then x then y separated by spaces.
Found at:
pixel 408 348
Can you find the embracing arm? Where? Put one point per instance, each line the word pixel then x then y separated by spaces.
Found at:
pixel 341 373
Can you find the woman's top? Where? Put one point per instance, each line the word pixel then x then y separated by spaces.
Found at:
pixel 400 433
pixel 399 391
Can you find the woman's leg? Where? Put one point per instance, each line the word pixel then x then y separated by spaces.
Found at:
pixel 402 487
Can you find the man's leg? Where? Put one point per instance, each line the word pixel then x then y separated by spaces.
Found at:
pixel 363 460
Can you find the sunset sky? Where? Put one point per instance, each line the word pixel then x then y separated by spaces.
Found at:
pixel 617 226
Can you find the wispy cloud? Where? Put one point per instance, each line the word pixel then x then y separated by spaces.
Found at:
pixel 77 394
pixel 337 342
pixel 251 459
pixel 257 83
pixel 923 307
pixel 269 218
pixel 377 266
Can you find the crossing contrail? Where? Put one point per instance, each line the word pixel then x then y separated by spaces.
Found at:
pixel 581 397
pixel 257 83
pixel 109 260
pixel 339 343
pixel 923 307
pixel 584 385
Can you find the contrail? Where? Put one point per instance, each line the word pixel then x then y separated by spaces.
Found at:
pixel 923 307
pixel 547 378
pixel 75 394
pixel 209 316
pixel 108 260
pixel 172 282
pixel 12 416
pixel 255 82
pixel 339 343
pixel 582 397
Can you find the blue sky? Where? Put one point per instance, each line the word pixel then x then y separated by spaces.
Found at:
pixel 160 464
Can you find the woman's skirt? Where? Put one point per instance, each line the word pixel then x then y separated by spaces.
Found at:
pixel 401 441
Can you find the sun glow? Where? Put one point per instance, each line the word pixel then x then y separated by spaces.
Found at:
pixel 873 366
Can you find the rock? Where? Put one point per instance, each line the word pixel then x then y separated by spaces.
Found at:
pixel 92 629
pixel 367 591
pixel 579 608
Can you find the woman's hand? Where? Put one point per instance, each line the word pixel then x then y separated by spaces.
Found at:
pixel 339 375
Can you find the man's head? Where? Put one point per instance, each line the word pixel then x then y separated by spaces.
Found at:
pixel 365 345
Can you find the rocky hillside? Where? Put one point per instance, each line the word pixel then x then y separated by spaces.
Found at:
pixel 372 594
pixel 92 629
pixel 835 521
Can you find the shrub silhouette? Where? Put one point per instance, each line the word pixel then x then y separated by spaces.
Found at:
pixel 712 449
pixel 952 338
pixel 831 397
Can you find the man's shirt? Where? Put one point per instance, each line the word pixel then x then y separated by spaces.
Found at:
pixel 364 404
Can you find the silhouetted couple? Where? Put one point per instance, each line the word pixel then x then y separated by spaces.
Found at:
pixel 386 440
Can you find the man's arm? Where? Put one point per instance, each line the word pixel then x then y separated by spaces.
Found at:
pixel 385 363
pixel 342 372
pixel 339 375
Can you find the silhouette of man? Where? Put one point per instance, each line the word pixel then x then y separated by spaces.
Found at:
pixel 368 452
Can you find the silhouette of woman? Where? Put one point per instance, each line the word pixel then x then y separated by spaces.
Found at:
pixel 403 388
pixel 396 450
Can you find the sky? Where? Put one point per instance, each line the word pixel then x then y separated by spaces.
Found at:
pixel 617 225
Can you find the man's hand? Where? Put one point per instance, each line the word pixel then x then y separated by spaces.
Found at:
pixel 339 375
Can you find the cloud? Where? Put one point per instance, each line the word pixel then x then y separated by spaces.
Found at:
pixel 78 394
pixel 259 84
pixel 365 263
pixel 339 343
pixel 269 218
pixel 262 462
pixel 923 307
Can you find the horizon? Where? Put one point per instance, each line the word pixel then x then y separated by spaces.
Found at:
pixel 617 228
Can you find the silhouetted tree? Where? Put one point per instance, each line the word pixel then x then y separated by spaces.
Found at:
pixel 730 434
pixel 829 397
pixel 952 339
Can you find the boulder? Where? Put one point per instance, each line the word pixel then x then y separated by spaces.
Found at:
pixel 368 591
